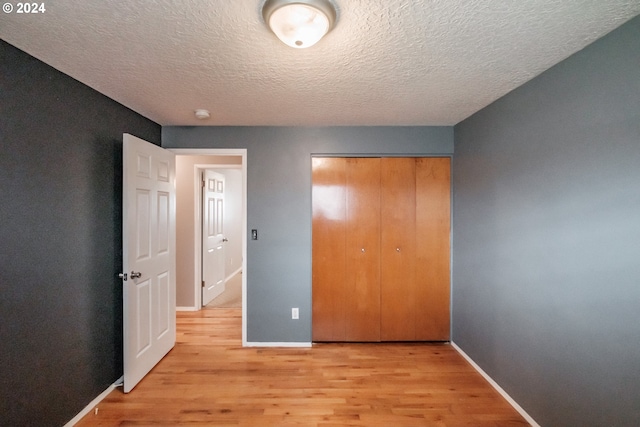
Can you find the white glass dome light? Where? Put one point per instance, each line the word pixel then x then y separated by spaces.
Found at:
pixel 299 23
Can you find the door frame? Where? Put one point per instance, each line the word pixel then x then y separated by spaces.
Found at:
pixel 239 152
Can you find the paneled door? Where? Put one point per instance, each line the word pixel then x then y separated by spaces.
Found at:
pixel 213 240
pixel 149 205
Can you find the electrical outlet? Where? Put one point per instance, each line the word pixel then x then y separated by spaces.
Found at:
pixel 295 314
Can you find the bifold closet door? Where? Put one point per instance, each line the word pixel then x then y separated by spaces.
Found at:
pixel 346 249
pixel 363 250
pixel 329 206
pixel 398 250
pixel 414 287
pixel 433 231
pixel 381 249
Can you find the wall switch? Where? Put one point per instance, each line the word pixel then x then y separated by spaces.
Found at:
pixel 295 314
pixel 254 234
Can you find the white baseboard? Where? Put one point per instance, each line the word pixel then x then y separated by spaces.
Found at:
pixel 495 385
pixel 186 309
pixel 279 344
pixel 90 407
pixel 226 279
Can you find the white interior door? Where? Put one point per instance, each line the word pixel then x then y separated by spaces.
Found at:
pixel 213 256
pixel 148 238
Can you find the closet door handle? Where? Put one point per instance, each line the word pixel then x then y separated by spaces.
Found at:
pixel 362 250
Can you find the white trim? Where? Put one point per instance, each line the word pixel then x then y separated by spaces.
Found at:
pixel 242 152
pixel 197 237
pixel 94 403
pixel 278 344
pixel 208 151
pixel 495 385
pixel 239 270
pixel 186 309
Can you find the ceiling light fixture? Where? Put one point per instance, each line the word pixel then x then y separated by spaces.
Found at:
pixel 299 23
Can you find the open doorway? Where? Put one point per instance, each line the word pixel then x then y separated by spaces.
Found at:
pixel 190 166
pixel 222 237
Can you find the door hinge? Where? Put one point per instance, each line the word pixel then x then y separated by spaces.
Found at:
pixel 203 183
pixel 203 283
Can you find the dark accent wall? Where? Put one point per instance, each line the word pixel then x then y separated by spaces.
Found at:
pixel 546 238
pixel 60 240
pixel 279 205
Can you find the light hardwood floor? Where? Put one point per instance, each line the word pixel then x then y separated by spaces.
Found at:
pixel 208 379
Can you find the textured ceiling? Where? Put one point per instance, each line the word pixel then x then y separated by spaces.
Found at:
pixel 393 62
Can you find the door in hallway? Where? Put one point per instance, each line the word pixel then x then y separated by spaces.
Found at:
pixel 213 240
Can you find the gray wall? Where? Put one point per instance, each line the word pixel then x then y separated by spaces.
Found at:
pixel 60 240
pixel 546 246
pixel 279 206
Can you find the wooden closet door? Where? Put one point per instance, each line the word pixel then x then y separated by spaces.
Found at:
pixel 362 283
pixel 329 294
pixel 433 230
pixel 398 250
pixel 346 249
pixel 381 249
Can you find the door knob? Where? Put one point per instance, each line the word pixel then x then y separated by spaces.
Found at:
pixel 363 250
pixel 225 240
pixel 135 275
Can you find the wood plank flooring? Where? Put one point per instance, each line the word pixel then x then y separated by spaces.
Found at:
pixel 208 379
